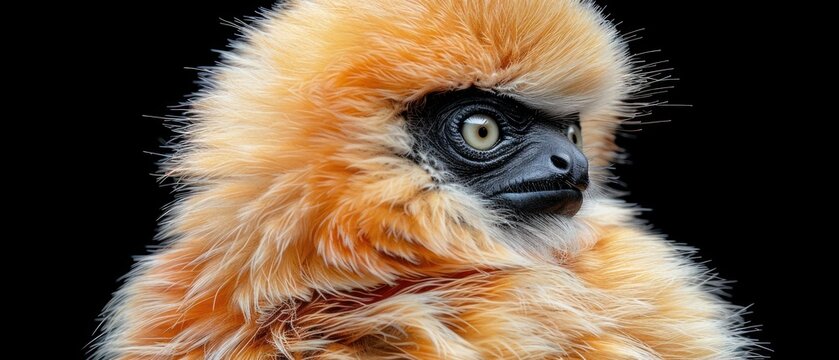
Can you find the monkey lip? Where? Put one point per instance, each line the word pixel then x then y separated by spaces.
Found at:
pixel 543 196
pixel 563 202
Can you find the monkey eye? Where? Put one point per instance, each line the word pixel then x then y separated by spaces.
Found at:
pixel 480 131
pixel 575 135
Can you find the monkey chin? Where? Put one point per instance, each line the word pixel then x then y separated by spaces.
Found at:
pixel 335 166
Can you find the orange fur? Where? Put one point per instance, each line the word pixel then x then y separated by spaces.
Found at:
pixel 298 195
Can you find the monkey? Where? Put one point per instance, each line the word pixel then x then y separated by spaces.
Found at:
pixel 415 179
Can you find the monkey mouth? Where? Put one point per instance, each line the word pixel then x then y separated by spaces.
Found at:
pixel 555 196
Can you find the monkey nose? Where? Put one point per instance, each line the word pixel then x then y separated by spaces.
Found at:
pixel 571 168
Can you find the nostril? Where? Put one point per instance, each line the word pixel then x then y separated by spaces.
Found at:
pixel 560 162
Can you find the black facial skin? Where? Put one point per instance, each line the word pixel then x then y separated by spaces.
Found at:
pixel 533 168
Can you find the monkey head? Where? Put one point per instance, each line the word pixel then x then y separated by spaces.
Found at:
pixel 370 140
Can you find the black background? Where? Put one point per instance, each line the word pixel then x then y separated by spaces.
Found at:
pixel 704 174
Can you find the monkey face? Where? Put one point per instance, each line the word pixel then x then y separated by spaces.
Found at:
pixel 518 157
pixel 383 137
